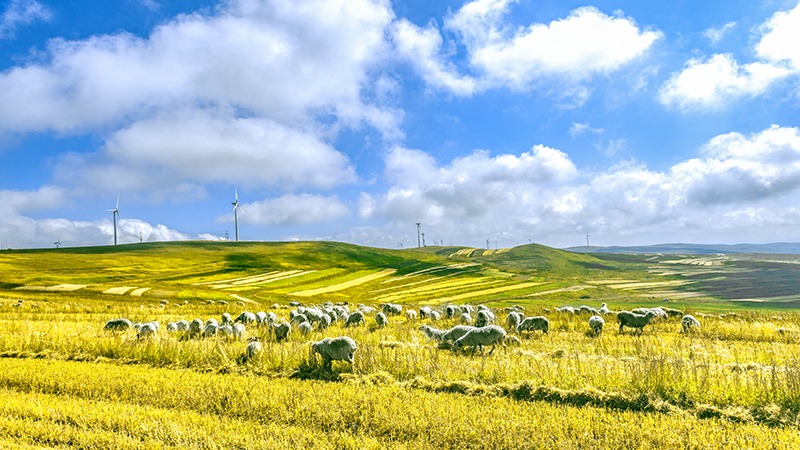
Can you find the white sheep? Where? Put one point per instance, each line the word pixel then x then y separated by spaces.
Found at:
pixel 425 312
pixel 604 309
pixel 210 330
pixel 512 320
pixel 566 310
pixel 435 316
pixel 226 330
pixel 534 324
pixel 453 334
pixel 342 348
pixel 172 327
pixel 325 322
pixel 305 328
pixel 196 327
pixel 147 331
pixel 633 320
pixel 246 318
pixel 355 318
pixel 689 322
pixel 298 319
pixel 411 315
pixel 238 331
pixel 212 321
pixel 253 349
pixel 261 317
pixel 476 338
pixel 118 325
pixel 282 331
pixel 588 310
pixel 182 325
pixel 433 334
pixel 450 311
pixel 596 323
pixel 465 319
pixel 484 318
pixel 381 320
pixel 226 319
pixel 468 309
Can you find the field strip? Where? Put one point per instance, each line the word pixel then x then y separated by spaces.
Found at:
pixel 442 285
pixel 466 252
pixel 674 294
pixel 119 290
pixel 642 285
pixel 431 269
pixel 429 280
pixel 345 285
pixel 575 288
pixel 441 291
pixel 58 288
pixel 610 281
pixel 230 280
pixel 298 274
pixel 273 276
pixel 472 294
pixel 246 300
pixel 139 292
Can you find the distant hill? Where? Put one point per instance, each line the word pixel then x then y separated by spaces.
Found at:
pixel 777 247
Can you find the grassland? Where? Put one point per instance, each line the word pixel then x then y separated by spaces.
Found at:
pixel 65 383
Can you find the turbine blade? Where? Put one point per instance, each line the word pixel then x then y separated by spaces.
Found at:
pixel 234 206
pixel 240 208
pixel 236 194
pixel 117 207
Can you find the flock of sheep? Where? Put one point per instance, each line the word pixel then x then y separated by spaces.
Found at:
pixel 470 333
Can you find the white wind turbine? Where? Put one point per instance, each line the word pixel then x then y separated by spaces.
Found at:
pixel 58 242
pixel 114 214
pixel 236 206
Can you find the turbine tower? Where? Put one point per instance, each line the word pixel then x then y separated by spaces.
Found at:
pixel 418 241
pixel 114 214
pixel 58 242
pixel 236 206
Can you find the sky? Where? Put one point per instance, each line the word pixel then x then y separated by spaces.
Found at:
pixel 490 122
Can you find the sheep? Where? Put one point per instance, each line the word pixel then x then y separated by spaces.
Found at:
pixel 604 309
pixel 510 339
pixel 172 327
pixel 282 331
pixel 512 320
pixel 435 316
pixel 182 325
pixel 271 318
pixel 246 318
pixel 411 315
pixel 484 318
pixel 689 322
pixel 138 326
pixel 425 312
pixel 433 334
pixel 534 324
pixel 313 315
pixel 453 334
pixel 355 318
pixel 588 310
pixel 299 318
pixel 366 309
pixel 325 322
pixel 467 309
pixel 227 330
pixel 489 335
pixel 381 320
pixel 596 323
pixel 147 331
pixel 196 327
pixel 238 331
pixel 210 330
pixel 465 319
pixel 483 308
pixel 304 328
pixel 253 349
pixel 391 308
pixel 342 348
pixel 261 316
pixel 566 310
pixel 633 320
pixel 118 325
pixel 450 311
pixel 212 321
pixel 226 319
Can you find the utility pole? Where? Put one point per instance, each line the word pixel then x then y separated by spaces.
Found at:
pixel 418 241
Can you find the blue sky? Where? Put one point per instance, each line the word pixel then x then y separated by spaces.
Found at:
pixel 351 120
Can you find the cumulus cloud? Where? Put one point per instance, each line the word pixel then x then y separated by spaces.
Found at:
pixel 21 12
pixel 711 84
pixel 714 82
pixel 292 209
pixel 715 34
pixel 579 129
pixel 585 43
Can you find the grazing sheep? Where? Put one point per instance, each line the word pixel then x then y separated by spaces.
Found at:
pixel 313 315
pixel 325 322
pixel 298 318
pixel 425 312
pixel 392 309
pixel 275 306
pixel 510 339
pixel 689 322
pixel 604 309
pixel 633 320
pixel 455 333
pixel 566 310
pixel 588 310
pixel 433 334
pixel 253 349
pixel 196 327
pixel 118 325
pixel 467 309
pixel 411 315
pixel 381 320
pixel 226 330
pixel 450 311
pixel 596 323
pixel 512 320
pixel 465 319
pixel 341 348
pixel 172 327
pixel 238 331
pixel 366 309
pixel 226 319
pixel 261 316
pixel 271 318
pixel 282 331
pixel 483 308
pixel 304 328
pixel 484 318
pixel 212 321
pixel 355 318
pixel 534 324
pixel 246 318
pixel 435 316
pixel 138 326
pixel 182 325
pixel 210 330
pixel 489 335
pixel 147 331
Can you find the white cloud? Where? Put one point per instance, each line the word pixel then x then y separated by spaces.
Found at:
pixel 712 84
pixel 21 12
pixel 779 43
pixel 579 129
pixel 185 149
pixel 292 209
pixel 715 34
pixel 366 206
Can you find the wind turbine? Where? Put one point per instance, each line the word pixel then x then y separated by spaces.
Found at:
pixel 236 213
pixel 114 214
pixel 58 242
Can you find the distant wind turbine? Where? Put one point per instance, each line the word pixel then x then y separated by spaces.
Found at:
pixel 236 206
pixel 58 242
pixel 114 214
